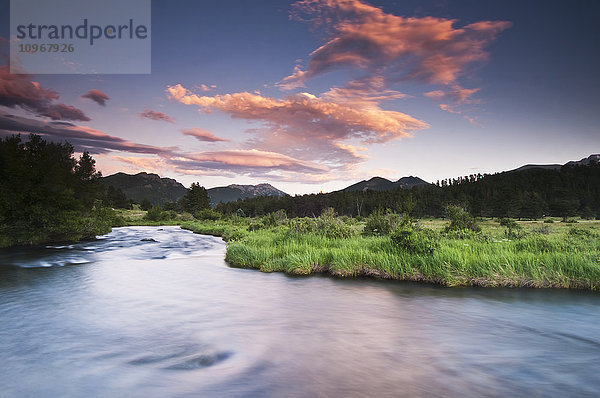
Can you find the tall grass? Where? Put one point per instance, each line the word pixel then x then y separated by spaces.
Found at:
pixel 567 258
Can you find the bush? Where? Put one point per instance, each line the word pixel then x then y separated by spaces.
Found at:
pixel 256 225
pixel 302 225
pixel 549 221
pixel 240 213
pixel 274 219
pixel 381 223
pixel 515 233
pixel 508 222
pixel 328 225
pixel 460 220
pixel 544 230
pixel 207 214
pixel 145 205
pixel 415 240
pixel 156 213
pixel 583 233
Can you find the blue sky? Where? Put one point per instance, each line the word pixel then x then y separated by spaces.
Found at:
pixel 435 89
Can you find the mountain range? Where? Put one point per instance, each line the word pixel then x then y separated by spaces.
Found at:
pixel 383 184
pixel 582 162
pixel 162 190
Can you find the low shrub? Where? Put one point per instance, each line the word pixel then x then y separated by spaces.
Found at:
pixel 544 230
pixel 508 222
pixel 156 213
pixel 461 220
pixel 583 233
pixel 274 219
pixel 415 240
pixel 381 223
pixel 515 233
pixel 207 214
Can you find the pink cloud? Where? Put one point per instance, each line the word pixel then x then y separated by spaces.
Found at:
pixel 244 161
pixel 97 96
pixel 361 36
pixel 19 90
pixel 452 98
pixel 306 126
pixel 83 138
pixel 154 164
pixel 206 87
pixel 202 135
pixel 156 115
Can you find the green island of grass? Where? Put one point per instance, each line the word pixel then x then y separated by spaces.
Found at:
pixel 457 251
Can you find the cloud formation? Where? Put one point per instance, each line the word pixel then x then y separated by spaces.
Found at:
pixel 97 96
pixel 306 126
pixel 83 138
pixel 156 115
pixel 245 161
pixel 202 135
pixel 250 162
pixel 18 90
pixel 427 49
pixel 450 99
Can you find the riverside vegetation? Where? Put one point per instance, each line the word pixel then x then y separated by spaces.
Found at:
pixel 458 251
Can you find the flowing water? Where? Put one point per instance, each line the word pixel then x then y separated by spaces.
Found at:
pixel 156 312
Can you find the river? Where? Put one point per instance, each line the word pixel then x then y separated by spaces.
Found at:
pixel 156 312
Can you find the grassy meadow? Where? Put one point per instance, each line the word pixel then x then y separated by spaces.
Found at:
pixel 492 253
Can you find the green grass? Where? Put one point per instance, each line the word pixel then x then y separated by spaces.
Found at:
pixel 562 256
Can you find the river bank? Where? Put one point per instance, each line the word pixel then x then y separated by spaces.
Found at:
pixel 558 255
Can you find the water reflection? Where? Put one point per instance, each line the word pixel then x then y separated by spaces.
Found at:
pixel 168 318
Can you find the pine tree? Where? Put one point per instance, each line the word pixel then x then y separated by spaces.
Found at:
pixel 195 199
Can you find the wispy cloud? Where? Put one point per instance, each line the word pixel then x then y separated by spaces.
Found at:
pixel 97 96
pixel 306 126
pixel 83 138
pixel 19 90
pixel 361 36
pixel 156 115
pixel 202 135
pixel 245 162
pixel 453 97
pixel 251 162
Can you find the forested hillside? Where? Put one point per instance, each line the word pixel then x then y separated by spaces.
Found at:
pixel 531 193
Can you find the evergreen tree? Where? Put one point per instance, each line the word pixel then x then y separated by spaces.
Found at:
pixel 195 199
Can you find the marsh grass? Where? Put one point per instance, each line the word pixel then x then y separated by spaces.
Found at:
pixel 565 257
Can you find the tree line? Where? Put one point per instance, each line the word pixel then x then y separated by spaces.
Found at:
pixel 526 194
pixel 46 194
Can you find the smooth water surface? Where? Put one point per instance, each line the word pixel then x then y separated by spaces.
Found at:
pixel 126 316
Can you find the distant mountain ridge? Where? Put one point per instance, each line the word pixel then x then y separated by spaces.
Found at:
pixel 582 162
pixel 383 184
pixel 234 192
pixel 160 190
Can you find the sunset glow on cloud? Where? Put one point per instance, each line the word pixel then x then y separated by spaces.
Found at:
pixel 364 37
pixel 307 125
pixel 155 115
pixel 21 91
pixel 203 135
pixel 97 96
